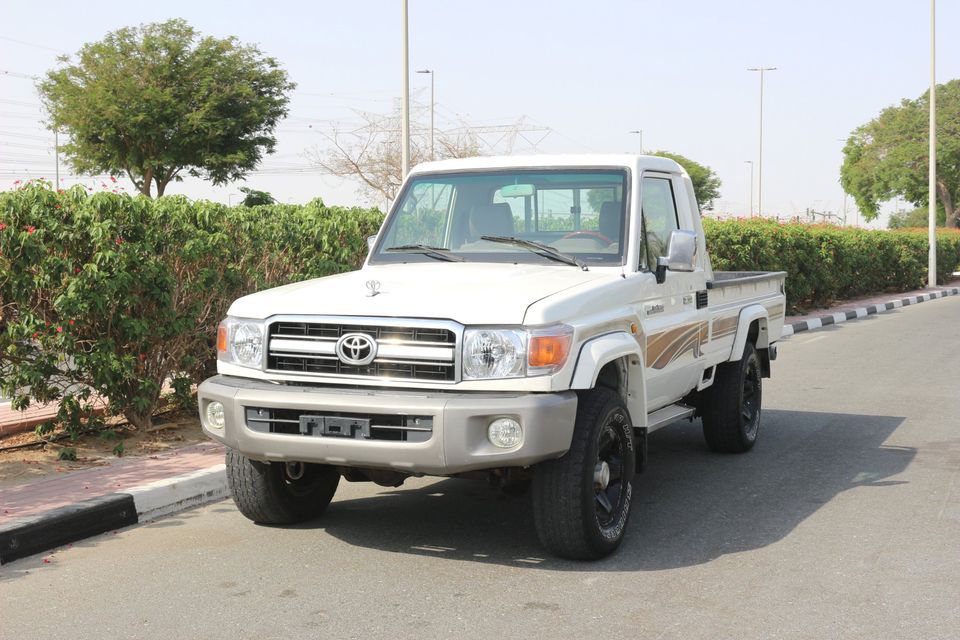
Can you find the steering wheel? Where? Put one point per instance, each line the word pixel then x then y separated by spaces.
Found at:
pixel 588 234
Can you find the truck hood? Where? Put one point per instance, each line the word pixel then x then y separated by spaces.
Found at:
pixel 469 293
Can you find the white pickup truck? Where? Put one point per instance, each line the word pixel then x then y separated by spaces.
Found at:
pixel 526 319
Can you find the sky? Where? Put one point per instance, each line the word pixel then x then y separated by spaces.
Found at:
pixel 581 74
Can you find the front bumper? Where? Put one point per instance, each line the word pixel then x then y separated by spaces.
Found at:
pixel 457 443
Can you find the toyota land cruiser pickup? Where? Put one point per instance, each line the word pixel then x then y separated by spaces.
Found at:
pixel 528 319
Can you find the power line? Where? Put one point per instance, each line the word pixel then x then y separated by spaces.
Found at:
pixel 32 44
pixel 17 74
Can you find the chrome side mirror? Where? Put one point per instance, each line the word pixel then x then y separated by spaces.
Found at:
pixel 681 254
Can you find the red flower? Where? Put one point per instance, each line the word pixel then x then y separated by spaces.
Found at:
pixel 72 323
pixel 30 229
pixel 59 329
pixel 76 269
pixel 113 179
pixel 35 334
pixel 119 241
pixel 56 206
pixel 2 226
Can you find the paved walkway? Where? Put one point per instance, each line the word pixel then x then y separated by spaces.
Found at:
pixel 16 421
pixel 856 303
pixel 121 474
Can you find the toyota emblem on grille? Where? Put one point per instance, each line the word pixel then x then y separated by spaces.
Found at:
pixel 356 349
pixel 373 286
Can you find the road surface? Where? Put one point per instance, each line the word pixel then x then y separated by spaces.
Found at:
pixel 844 521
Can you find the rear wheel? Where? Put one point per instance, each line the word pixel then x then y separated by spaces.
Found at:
pixel 279 492
pixel 581 501
pixel 731 408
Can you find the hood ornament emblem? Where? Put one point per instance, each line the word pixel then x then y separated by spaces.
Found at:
pixel 373 286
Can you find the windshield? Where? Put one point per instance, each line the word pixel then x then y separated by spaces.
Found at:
pixel 466 217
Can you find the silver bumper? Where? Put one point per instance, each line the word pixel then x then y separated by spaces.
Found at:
pixel 457 443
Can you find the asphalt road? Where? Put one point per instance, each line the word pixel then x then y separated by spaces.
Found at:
pixel 843 522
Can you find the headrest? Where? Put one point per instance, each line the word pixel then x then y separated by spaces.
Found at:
pixel 610 224
pixel 492 219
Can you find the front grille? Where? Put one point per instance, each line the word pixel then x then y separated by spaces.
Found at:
pixel 403 352
pixel 397 428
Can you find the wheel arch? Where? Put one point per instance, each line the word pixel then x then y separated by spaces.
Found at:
pixel 752 328
pixel 615 361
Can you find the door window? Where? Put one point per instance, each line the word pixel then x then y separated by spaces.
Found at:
pixel 659 218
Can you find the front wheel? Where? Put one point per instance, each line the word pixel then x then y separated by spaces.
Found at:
pixel 279 492
pixel 581 501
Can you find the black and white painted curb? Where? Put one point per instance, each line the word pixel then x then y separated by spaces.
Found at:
pixel 34 534
pixel 862 312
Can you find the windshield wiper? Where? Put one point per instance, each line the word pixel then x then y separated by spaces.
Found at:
pixel 440 253
pixel 539 248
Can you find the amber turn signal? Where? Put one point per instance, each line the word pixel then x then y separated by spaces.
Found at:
pixel 548 351
pixel 222 339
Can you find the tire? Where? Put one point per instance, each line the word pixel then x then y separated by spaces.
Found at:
pixel 731 408
pixel 278 493
pixel 578 517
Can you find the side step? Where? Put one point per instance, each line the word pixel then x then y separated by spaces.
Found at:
pixel 663 417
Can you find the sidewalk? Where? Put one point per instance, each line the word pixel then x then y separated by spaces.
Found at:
pixel 18 421
pixel 52 512
pixel 862 307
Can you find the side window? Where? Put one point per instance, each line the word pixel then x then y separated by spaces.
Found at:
pixel 659 217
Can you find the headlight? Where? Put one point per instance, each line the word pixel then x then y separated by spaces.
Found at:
pixel 240 342
pixel 514 353
pixel 494 353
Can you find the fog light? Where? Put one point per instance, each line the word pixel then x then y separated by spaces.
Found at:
pixel 505 433
pixel 215 415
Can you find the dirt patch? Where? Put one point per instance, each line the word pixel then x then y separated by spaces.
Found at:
pixel 171 430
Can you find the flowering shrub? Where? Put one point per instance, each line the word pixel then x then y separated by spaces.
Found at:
pixel 113 295
pixel 826 263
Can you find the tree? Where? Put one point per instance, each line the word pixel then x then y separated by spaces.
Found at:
pixel 706 184
pixel 252 197
pixel 157 101
pixel 888 156
pixel 916 218
pixel 372 154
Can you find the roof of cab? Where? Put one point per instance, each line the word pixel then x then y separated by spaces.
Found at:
pixel 627 160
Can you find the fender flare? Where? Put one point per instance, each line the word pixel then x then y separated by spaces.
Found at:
pixel 748 315
pixel 599 351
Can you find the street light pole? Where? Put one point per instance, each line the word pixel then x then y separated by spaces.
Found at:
pixel 932 197
pixel 760 154
pixel 640 133
pixel 430 71
pixel 750 162
pixel 405 107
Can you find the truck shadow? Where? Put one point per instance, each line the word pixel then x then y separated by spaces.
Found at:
pixel 691 506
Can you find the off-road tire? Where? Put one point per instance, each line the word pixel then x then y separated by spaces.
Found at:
pixel 570 518
pixel 265 493
pixel 731 406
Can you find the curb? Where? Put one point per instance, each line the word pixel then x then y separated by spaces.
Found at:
pixel 35 534
pixel 861 312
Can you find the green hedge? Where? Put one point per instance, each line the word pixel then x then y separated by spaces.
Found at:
pixel 115 295
pixel 826 263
